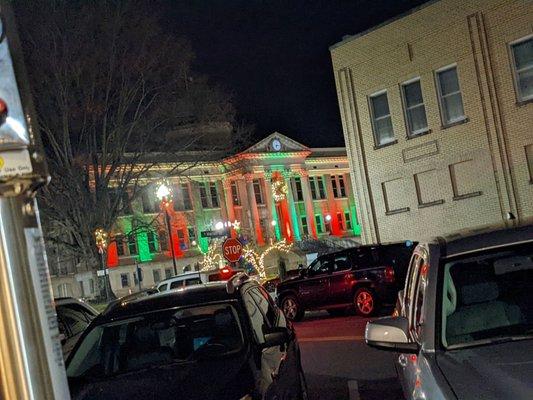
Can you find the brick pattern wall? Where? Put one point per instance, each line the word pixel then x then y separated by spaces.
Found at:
pixel 454 177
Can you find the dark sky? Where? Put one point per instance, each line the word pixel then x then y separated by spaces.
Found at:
pixel 273 56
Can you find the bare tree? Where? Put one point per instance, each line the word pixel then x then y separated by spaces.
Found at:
pixel 108 86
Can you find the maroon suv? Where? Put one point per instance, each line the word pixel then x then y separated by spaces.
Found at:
pixel 363 278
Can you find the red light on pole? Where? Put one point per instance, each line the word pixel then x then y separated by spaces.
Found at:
pixel 3 111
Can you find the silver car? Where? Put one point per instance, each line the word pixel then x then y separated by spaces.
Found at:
pixel 464 329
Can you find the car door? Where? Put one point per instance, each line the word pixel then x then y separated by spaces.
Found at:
pixel 408 364
pixel 313 291
pixel 72 321
pixel 341 279
pixel 278 367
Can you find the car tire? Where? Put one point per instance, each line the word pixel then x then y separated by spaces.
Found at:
pixel 291 308
pixel 365 302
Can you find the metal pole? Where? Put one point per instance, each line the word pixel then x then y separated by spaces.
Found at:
pixel 167 217
pixel 106 276
pixel 31 360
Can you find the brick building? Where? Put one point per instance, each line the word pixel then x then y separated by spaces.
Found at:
pixel 437 113
pixel 277 189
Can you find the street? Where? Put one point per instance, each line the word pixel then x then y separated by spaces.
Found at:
pixel 339 365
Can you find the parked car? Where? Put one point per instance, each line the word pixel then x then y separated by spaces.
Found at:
pixel 196 278
pixel 465 325
pixel 73 317
pixel 221 340
pixel 363 278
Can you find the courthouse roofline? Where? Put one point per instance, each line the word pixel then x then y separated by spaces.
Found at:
pixel 349 38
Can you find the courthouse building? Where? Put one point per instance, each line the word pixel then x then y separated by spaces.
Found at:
pixel 437 113
pixel 277 189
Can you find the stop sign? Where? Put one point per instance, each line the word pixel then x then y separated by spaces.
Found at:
pixel 232 250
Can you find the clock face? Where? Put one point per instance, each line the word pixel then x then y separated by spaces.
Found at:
pixel 276 145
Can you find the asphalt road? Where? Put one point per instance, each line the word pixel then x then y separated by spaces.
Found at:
pixel 338 364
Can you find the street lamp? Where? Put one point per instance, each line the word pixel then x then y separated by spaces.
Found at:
pixel 100 237
pixel 164 195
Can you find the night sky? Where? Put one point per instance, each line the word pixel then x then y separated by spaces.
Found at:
pixel 273 56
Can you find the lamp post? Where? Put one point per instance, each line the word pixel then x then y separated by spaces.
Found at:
pixel 164 195
pixel 100 237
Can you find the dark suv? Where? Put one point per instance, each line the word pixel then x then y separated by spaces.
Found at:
pixel 213 341
pixel 362 277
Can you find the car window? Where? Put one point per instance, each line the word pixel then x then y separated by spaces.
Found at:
pixel 486 296
pixel 158 338
pixel 257 319
pixel 193 281
pixel 418 299
pixel 176 284
pixel 341 262
pixel 163 287
pixel 320 266
pixel 364 257
pixel 409 290
pixel 73 319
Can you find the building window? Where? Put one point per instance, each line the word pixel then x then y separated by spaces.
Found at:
pixel 132 245
pixel 258 192
pixel 214 194
pixel 297 189
pixel 125 280
pixel 157 275
pixel 523 68
pixel 82 290
pixel 341 221
pixel 192 234
pixel 203 195
pixel 168 273
pixel 149 202
pixel 152 242
pixel 119 239
pixel 450 98
pixel 235 194
pixel 181 239
pixel 348 221
pixel 163 240
pixel 415 111
pixel 182 198
pixel 305 228
pixel 318 191
pixel 339 189
pixel 91 286
pixel 381 119
pixel 64 290
pixel 529 159
pixel 319 225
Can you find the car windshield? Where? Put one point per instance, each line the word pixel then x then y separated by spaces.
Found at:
pixel 487 297
pixel 160 338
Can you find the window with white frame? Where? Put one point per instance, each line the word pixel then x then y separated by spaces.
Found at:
pixel 125 280
pixel 182 197
pixel 235 194
pixel 258 191
pixel 348 220
pixel 297 189
pixel 450 98
pixel 522 52
pixel 319 225
pixel 337 183
pixel 305 227
pixel 381 118
pixel 209 195
pixel 318 191
pixel 415 111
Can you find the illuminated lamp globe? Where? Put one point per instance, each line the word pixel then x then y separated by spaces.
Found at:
pixel 273 222
pixel 328 218
pixel 163 192
pixel 219 226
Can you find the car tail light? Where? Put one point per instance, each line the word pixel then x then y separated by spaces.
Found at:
pixel 226 273
pixel 389 274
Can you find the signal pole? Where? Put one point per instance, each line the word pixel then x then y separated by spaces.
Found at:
pixel 31 359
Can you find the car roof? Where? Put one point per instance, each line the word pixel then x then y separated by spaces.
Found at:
pixel 403 243
pixel 485 237
pixel 180 276
pixel 183 297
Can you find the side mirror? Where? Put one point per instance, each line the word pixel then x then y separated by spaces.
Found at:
pixel 391 334
pixel 276 338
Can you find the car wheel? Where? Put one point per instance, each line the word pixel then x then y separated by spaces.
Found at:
pixel 365 302
pixel 291 308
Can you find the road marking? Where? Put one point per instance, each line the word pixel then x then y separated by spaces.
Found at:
pixel 330 338
pixel 353 390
